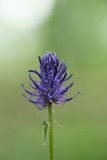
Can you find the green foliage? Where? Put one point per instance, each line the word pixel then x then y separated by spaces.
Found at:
pixel 45 130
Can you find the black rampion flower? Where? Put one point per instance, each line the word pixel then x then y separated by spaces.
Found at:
pixel 49 89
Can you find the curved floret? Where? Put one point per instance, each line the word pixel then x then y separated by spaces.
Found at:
pixel 49 89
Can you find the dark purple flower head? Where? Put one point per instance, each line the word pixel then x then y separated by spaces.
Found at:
pixel 49 89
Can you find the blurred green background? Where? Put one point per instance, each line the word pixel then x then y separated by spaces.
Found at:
pixel 77 31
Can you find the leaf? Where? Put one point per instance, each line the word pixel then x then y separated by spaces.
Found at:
pixel 45 130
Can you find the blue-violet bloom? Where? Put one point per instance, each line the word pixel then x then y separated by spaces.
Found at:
pixel 49 89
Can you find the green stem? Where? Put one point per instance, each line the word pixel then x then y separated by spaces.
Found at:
pixel 50 132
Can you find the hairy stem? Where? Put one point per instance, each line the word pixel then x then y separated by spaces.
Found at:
pixel 50 132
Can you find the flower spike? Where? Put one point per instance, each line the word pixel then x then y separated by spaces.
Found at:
pixel 49 89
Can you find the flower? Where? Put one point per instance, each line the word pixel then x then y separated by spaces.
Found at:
pixel 49 89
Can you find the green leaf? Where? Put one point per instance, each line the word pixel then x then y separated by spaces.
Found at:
pixel 45 130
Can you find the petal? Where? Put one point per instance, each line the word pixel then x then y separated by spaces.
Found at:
pixel 44 58
pixel 70 85
pixel 30 100
pixel 43 107
pixel 54 57
pixel 41 63
pixel 34 82
pixel 62 71
pixel 64 91
pixel 35 102
pixel 63 77
pixel 57 61
pixel 62 62
pixel 31 93
pixel 68 77
pixel 65 100
pixel 55 72
pixel 49 59
pixel 35 71
pixel 33 86
pixel 53 53
pixel 40 60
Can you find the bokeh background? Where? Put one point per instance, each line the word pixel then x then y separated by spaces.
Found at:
pixel 77 31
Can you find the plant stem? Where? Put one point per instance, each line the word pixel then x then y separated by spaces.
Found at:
pixel 50 132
